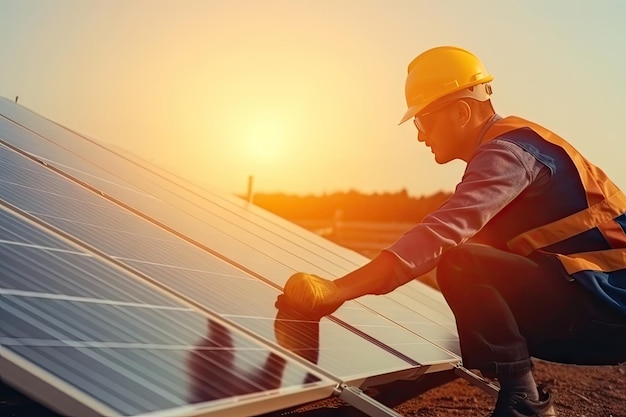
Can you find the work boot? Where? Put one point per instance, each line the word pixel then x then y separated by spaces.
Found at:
pixel 517 405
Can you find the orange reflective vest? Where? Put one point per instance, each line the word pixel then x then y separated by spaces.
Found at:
pixel 581 218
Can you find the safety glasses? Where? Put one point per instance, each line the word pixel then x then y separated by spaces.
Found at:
pixel 425 121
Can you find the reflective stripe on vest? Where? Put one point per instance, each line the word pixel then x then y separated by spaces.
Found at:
pixel 605 203
pixel 605 260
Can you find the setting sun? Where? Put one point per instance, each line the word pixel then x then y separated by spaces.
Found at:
pixel 265 141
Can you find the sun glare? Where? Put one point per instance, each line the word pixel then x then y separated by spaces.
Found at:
pixel 265 141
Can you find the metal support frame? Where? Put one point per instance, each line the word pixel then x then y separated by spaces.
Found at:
pixel 368 405
pixel 489 387
pixel 363 402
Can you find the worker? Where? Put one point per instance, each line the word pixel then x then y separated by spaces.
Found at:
pixel 529 251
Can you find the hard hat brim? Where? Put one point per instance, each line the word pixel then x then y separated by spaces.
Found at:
pixel 479 92
pixel 411 112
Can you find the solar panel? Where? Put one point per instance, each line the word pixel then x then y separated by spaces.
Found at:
pixel 211 258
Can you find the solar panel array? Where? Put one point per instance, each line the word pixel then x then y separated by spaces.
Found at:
pixel 126 290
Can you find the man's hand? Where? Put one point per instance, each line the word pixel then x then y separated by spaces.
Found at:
pixel 310 296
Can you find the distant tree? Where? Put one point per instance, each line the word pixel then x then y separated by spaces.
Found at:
pixel 354 206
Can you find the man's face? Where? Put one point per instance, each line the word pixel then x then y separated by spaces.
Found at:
pixel 437 129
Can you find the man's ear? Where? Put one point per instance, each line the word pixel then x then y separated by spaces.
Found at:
pixel 463 112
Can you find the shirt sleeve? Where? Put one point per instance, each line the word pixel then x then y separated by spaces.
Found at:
pixel 499 172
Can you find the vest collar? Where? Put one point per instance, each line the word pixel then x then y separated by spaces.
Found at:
pixel 490 122
pixel 481 136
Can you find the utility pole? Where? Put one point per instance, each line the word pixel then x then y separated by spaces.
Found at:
pixel 250 196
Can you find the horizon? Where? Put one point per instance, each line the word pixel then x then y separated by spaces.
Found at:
pixel 306 97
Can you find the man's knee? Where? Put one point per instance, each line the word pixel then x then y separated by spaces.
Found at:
pixel 454 264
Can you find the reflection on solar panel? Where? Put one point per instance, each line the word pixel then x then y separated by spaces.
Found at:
pixel 126 290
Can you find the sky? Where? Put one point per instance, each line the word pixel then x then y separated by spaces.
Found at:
pixel 305 96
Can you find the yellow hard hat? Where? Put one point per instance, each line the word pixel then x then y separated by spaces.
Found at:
pixel 443 71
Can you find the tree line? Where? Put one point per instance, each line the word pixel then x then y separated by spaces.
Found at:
pixel 352 206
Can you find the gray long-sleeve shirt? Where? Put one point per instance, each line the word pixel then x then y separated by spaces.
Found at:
pixel 499 171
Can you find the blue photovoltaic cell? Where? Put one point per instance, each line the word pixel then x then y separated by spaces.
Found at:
pixel 229 233
pixel 121 341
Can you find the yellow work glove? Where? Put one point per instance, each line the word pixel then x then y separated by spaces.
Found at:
pixel 310 296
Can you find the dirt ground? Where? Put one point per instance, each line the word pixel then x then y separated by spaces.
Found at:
pixel 578 391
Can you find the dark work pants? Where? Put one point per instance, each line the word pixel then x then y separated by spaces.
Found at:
pixel 508 308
